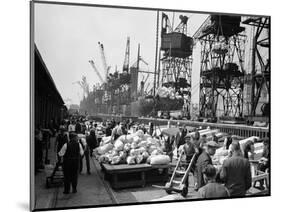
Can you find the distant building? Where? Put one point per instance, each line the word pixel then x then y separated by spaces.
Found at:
pixel 73 109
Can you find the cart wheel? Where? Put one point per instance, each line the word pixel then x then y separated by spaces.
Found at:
pixel 168 191
pixel 184 191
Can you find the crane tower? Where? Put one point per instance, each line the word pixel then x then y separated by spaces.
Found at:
pixel 176 49
pixel 222 41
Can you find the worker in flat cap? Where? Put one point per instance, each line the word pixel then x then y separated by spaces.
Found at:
pixel 236 172
pixel 212 189
pixel 203 160
pixel 71 152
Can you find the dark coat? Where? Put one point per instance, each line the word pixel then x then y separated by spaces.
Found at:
pixel 61 140
pixel 181 138
pixel 213 190
pixel 203 160
pixel 71 159
pixel 236 173
pixel 92 140
pixel 108 131
pixel 78 128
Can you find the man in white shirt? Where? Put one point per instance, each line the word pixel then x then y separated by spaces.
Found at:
pixel 71 127
pixel 71 153
pixel 118 131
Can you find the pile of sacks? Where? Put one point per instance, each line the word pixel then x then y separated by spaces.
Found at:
pixel 132 149
pixel 170 92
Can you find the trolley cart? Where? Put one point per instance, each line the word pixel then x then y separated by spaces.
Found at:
pixel 54 175
pixel 181 172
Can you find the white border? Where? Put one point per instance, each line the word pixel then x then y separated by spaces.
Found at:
pixel 15 103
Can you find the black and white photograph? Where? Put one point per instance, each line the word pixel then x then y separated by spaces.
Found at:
pixel 139 105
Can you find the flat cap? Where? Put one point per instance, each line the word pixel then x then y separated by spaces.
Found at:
pixel 212 144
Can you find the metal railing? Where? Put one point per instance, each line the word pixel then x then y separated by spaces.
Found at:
pixel 235 129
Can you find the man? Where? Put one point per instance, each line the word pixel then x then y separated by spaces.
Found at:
pixel 91 140
pixel 181 139
pixel 108 129
pixel 236 172
pixel 196 136
pixel 215 138
pixel 188 148
pixel 113 123
pixel 51 127
pixel 203 141
pixel 263 164
pixel 60 141
pixel 248 150
pixel 151 128
pixel 203 160
pixel 212 189
pixel 38 150
pixel 71 127
pixel 118 131
pixel 189 151
pixel 131 123
pixel 168 146
pixel 71 153
pixel 78 127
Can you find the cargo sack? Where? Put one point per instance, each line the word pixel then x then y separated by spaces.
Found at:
pixel 160 160
pixel 106 148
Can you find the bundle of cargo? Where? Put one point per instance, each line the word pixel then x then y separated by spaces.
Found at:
pixel 209 133
pixel 132 149
pixel 258 146
pixel 165 92
pixel 222 153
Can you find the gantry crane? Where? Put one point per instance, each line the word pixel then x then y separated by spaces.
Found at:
pixel 259 77
pixel 176 58
pixel 222 42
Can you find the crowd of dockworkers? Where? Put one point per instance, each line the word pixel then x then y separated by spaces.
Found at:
pixel 77 138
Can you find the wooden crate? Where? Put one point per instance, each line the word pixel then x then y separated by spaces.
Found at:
pixel 138 175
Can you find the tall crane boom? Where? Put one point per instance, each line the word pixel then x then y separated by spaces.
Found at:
pixel 127 56
pixel 199 33
pixel 105 66
pixel 96 70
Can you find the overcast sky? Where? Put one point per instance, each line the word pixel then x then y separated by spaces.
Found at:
pixel 67 37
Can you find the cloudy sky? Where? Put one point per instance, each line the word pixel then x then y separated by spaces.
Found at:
pixel 67 37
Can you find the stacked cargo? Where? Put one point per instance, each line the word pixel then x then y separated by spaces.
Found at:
pixel 132 149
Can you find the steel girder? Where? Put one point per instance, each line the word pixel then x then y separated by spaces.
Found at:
pixel 222 72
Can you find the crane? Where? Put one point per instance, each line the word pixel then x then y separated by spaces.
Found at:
pixel 105 66
pixel 96 70
pixel 199 33
pixel 127 56
pixel 143 61
pixel 146 78
pixel 83 84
